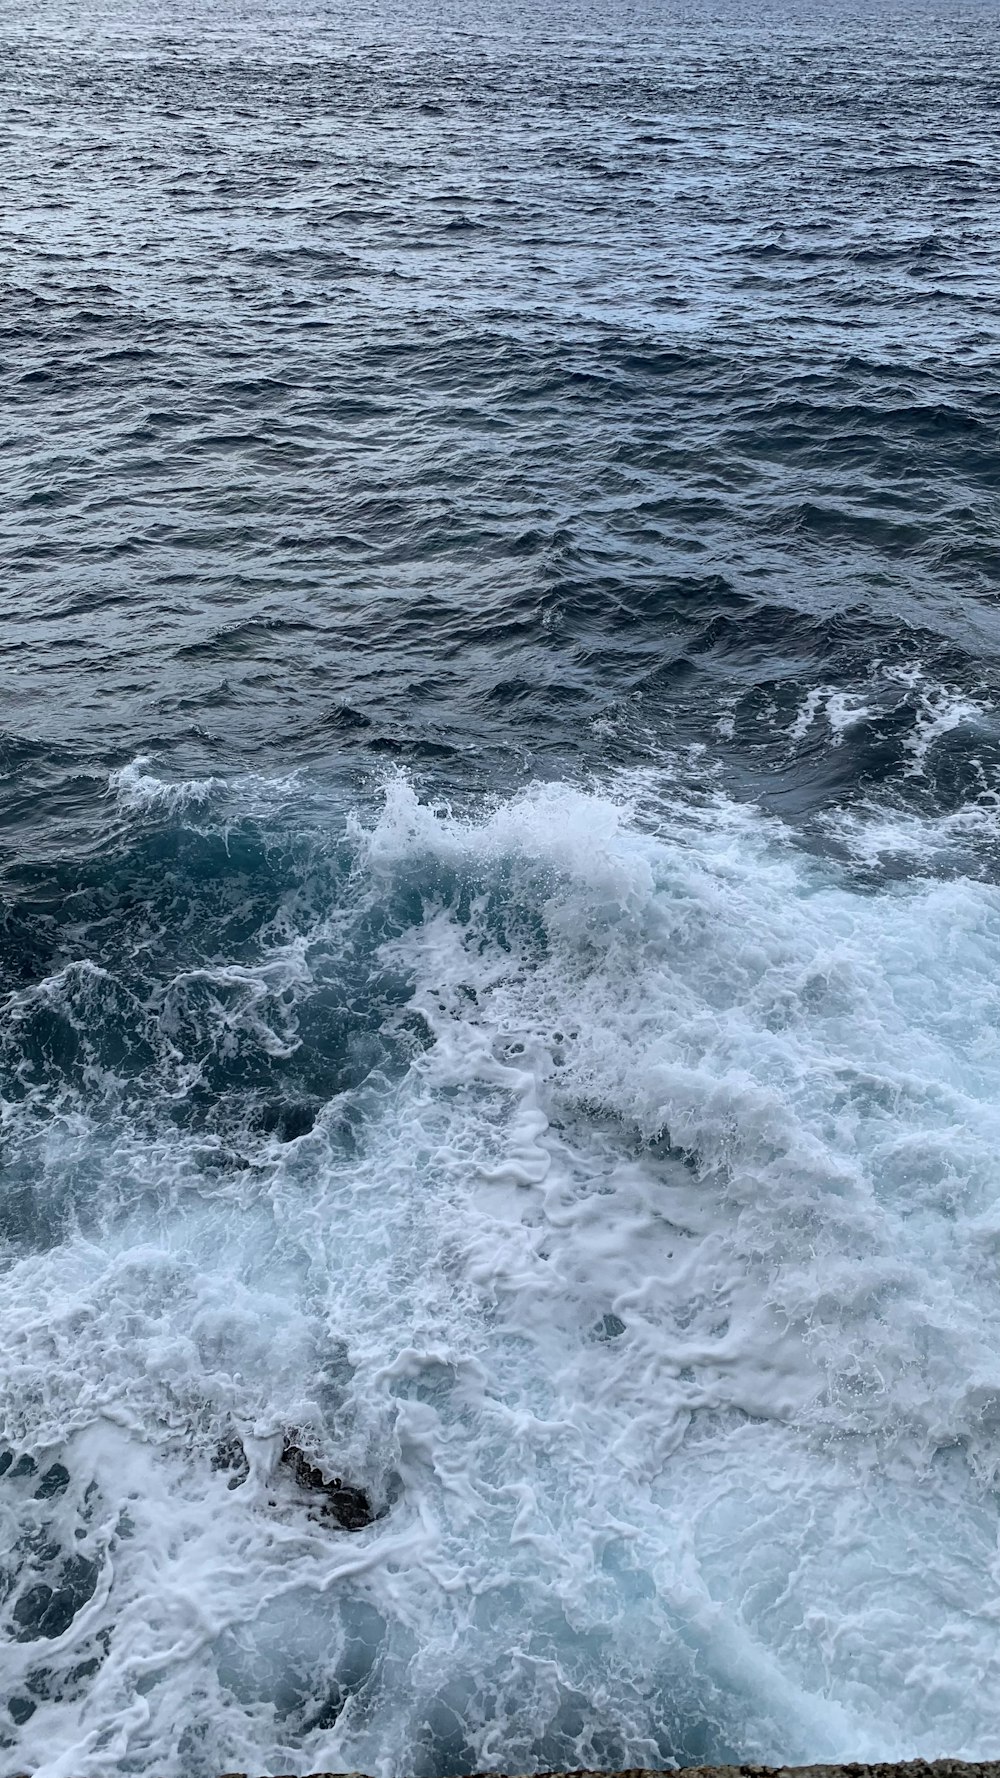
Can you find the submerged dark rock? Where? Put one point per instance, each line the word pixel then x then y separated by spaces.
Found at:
pixel 917 1768
pixel 334 1498
pixel 230 1455
pixel 350 1506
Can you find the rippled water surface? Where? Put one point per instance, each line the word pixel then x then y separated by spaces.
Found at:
pixel 500 932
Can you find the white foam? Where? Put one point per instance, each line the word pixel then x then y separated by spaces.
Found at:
pixel 964 838
pixel 138 790
pixel 843 712
pixel 940 712
pixel 664 1280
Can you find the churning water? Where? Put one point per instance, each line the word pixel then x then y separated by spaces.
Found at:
pixel 500 954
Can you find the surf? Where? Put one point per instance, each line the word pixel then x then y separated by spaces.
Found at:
pixel 632 1249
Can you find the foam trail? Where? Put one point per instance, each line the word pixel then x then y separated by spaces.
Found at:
pixel 645 1278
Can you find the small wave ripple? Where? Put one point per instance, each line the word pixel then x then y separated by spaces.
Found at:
pixel 492 382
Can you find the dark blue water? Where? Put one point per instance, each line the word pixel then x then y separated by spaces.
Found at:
pixel 499 784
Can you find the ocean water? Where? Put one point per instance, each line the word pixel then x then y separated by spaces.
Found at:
pixel 499 918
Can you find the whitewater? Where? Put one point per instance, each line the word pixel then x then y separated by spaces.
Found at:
pixel 641 1267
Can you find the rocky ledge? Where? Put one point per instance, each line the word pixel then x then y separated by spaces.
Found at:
pixel 915 1768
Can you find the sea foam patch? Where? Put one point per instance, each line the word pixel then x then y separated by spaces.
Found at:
pixel 642 1274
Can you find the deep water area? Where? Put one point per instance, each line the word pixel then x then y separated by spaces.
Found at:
pixel 499 909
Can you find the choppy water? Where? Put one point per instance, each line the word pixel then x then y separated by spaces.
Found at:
pixel 501 935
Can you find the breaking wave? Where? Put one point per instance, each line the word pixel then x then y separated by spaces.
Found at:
pixel 599 1181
